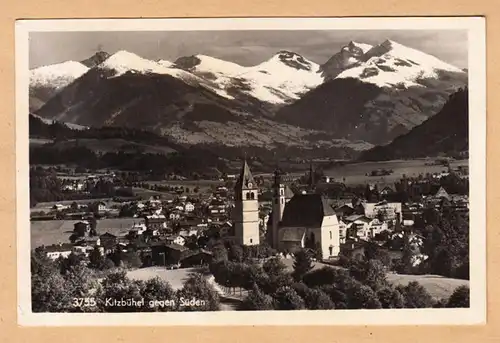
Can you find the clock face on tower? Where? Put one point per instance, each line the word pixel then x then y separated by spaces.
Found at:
pixel 249 185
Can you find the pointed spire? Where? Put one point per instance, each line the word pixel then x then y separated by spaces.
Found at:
pixel 277 176
pixel 245 180
pixel 311 177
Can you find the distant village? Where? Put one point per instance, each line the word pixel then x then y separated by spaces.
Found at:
pixel 282 216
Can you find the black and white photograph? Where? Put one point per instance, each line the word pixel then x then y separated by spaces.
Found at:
pixel 287 171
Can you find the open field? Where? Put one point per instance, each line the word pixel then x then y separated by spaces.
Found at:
pixel 438 286
pixel 48 206
pixel 58 231
pixel 177 277
pixel 204 186
pixel 355 173
pixel 113 145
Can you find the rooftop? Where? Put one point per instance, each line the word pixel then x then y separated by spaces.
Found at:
pixel 306 210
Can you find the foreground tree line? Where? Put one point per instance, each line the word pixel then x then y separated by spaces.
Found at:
pixel 362 285
pixel 70 285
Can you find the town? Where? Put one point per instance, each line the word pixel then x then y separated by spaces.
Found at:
pixel 262 217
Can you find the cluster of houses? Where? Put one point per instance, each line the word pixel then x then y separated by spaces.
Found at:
pixel 174 232
pixel 166 232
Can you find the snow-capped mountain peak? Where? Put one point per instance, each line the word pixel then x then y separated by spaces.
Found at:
pixel 96 59
pixel 280 79
pixel 354 47
pixel 391 63
pixel 294 60
pixel 124 61
pixel 349 55
pixel 57 75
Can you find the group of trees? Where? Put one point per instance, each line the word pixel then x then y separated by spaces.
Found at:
pixel 363 284
pixel 446 242
pixel 70 285
pixel 46 186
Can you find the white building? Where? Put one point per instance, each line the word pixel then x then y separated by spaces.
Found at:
pixel 384 210
pixel 302 221
pixel 246 209
pixel 188 207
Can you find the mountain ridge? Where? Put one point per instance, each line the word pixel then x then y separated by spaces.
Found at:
pixel 278 101
pixel 444 133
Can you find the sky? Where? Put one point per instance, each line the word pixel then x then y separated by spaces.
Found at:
pixel 243 47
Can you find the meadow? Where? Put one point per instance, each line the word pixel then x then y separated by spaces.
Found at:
pixel 356 173
pixel 58 231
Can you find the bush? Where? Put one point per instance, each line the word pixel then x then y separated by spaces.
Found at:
pixel 390 298
pixel 459 298
pixel 257 301
pixel 416 296
pixel 286 298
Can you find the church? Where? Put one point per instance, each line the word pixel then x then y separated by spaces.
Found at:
pixel 297 220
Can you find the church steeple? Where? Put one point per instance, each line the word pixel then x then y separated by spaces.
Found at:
pixel 245 180
pixel 311 178
pixel 246 210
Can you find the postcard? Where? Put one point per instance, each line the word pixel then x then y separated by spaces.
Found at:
pixel 251 171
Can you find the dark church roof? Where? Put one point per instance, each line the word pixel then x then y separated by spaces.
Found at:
pixel 292 234
pixel 245 178
pixel 288 192
pixel 306 210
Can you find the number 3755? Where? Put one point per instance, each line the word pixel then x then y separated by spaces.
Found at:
pixel 84 302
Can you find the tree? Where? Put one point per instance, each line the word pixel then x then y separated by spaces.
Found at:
pixel 274 266
pixel 286 298
pixel 374 252
pixel 93 227
pixel 72 260
pixel 219 252
pixel 96 260
pixel 118 286
pixel 80 284
pixel 390 298
pixel 323 276
pixel 415 295
pixel 156 292
pixel 257 301
pixel 197 288
pixel 302 264
pixel 316 299
pixel 362 296
pixel 132 259
pixel 235 253
pixel 338 297
pixel 79 231
pixel 318 252
pixel 371 273
pixel 459 298
pixel 48 294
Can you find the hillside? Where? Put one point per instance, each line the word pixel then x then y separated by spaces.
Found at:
pixel 362 96
pixel 375 93
pixel 444 133
pixel 128 91
pixel 46 81
pixel 352 109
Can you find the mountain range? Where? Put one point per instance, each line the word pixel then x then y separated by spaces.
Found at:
pixel 363 95
pixel 444 133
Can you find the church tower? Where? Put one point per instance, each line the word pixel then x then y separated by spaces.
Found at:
pixel 278 208
pixel 246 209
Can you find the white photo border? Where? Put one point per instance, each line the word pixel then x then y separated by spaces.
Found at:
pixel 474 315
